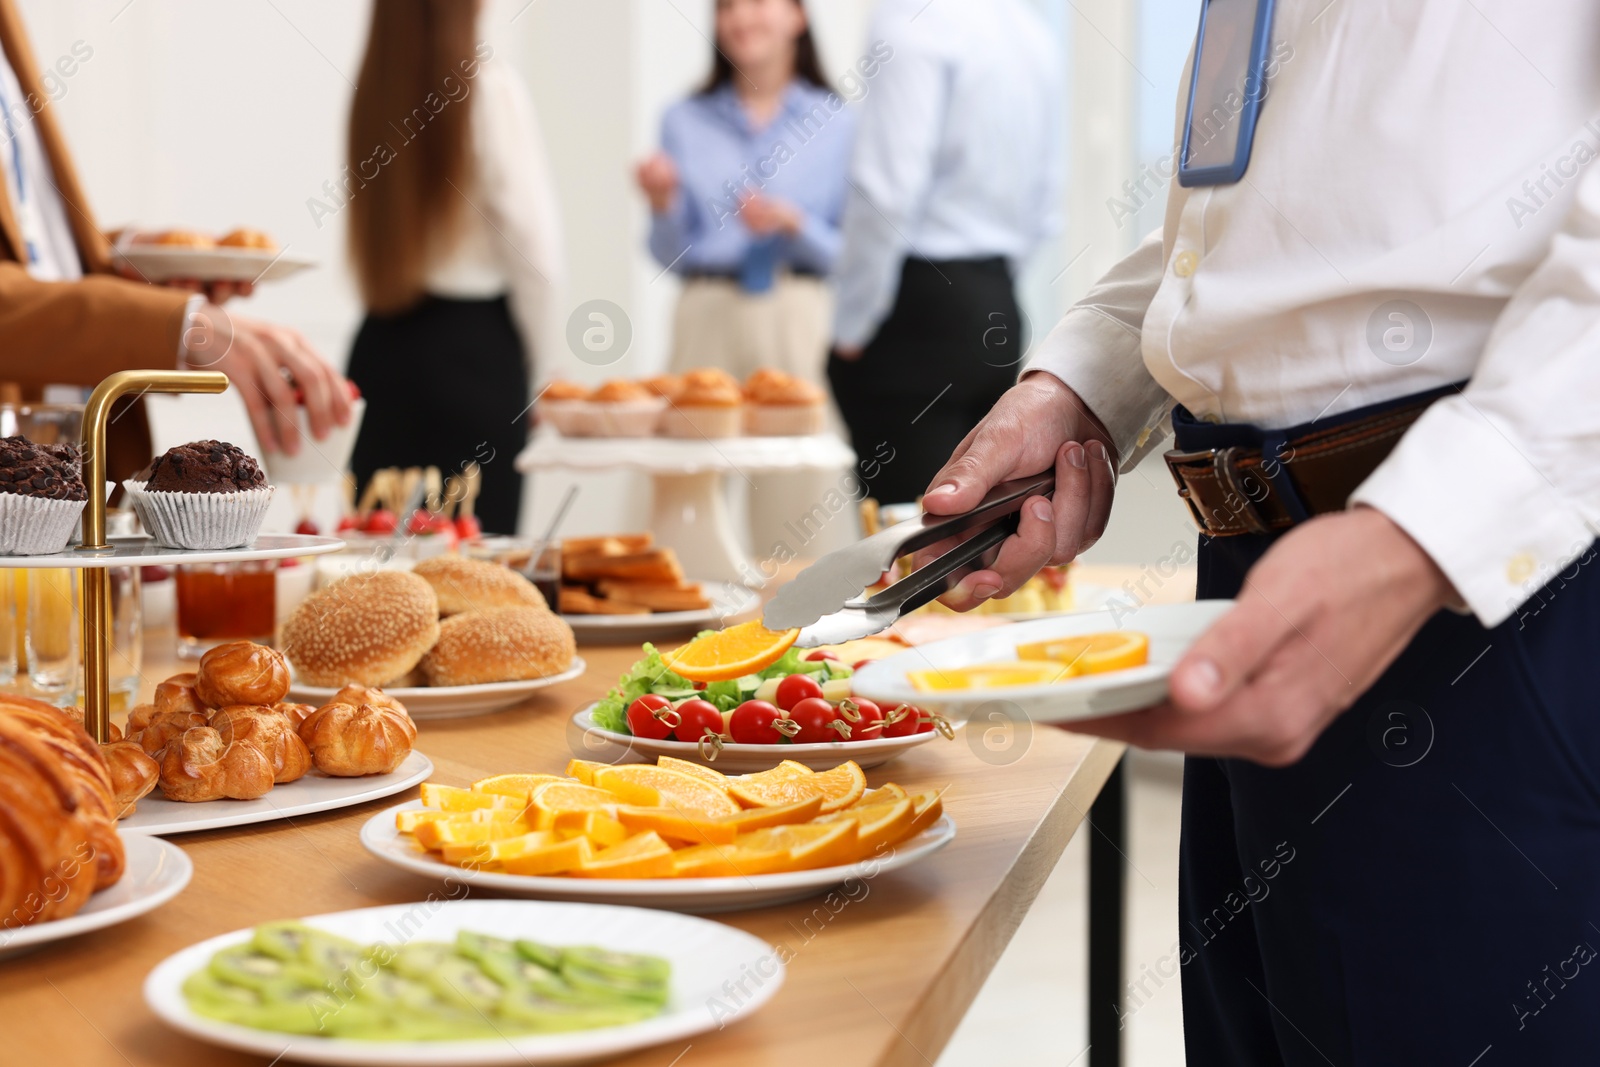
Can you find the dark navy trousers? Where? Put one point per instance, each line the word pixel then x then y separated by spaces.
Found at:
pixel 1423 888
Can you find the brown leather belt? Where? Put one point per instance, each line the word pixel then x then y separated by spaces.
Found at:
pixel 1237 490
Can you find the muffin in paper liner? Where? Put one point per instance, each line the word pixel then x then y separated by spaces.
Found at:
pixel 36 526
pixel 203 521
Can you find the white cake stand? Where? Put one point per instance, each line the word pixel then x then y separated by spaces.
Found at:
pixel 690 511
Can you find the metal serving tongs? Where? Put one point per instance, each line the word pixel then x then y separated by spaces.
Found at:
pixel 825 600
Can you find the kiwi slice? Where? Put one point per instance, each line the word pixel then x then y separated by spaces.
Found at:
pixel 599 986
pixel 619 964
pixel 242 965
pixel 418 959
pixel 544 1015
pixel 462 982
pixel 545 956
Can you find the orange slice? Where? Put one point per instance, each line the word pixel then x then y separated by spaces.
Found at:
pixel 484 853
pixel 879 825
pixel 991 675
pixel 678 826
pixel 641 785
pixel 1113 650
pixel 557 858
pixel 781 815
pixel 517 786
pixel 882 795
pixel 640 856
pixel 454 798
pixel 838 788
pixel 694 770
pixel 809 845
pixel 601 829
pixel 928 807
pixel 442 832
pixel 407 821
pixel 731 653
pixel 548 801
pixel 583 770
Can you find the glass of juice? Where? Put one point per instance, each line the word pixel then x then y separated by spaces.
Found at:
pixel 222 602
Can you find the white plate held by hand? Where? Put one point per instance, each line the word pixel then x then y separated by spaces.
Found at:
pixel 704 956
pixel 156 872
pixel 1172 628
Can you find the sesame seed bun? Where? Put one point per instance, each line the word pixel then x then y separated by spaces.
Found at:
pixel 499 645
pixel 475 585
pixel 367 629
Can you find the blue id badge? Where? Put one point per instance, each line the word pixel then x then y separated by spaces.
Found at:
pixel 1226 88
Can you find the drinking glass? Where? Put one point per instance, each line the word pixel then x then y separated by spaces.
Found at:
pixel 221 602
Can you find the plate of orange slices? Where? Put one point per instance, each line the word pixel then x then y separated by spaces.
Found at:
pixel 1050 670
pixel 672 834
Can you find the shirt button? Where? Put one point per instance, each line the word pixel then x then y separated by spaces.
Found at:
pixel 1521 568
pixel 1185 263
pixel 1212 417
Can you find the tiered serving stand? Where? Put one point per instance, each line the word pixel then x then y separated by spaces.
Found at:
pixel 98 552
pixel 689 513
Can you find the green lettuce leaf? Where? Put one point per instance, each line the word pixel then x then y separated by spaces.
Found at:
pixel 647 675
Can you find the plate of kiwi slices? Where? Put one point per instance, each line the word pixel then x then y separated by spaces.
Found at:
pixel 465 983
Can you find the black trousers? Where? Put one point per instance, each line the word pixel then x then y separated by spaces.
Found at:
pixel 938 363
pixel 446 385
pixel 1423 887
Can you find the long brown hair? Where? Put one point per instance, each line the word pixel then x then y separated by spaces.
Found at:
pixel 807 63
pixel 407 151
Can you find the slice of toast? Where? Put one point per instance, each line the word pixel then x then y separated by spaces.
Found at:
pixel 575 601
pixel 608 544
pixel 660 598
pixel 656 565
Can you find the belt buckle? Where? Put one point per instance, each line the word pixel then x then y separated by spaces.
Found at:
pixel 1222 462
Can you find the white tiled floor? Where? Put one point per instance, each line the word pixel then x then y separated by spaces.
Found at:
pixel 1030 1012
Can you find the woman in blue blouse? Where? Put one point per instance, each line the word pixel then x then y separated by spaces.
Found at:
pixel 746 194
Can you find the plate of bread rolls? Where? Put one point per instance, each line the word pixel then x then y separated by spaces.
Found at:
pixel 449 638
pixel 241 255
pixel 64 868
pixel 221 746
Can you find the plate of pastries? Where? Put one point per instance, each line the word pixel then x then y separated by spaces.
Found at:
pixel 698 404
pixel 221 746
pixel 64 868
pixel 623 588
pixel 241 255
pixel 448 638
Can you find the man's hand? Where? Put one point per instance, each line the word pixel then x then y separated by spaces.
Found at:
pixel 1321 615
pixel 763 215
pixel 267 364
pixel 1037 424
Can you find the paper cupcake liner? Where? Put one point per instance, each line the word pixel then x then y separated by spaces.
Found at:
pixel 36 526
pixel 207 521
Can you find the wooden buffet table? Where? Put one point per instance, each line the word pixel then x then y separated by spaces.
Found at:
pixel 883 981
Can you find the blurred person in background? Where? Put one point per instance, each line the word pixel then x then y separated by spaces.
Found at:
pixel 955 181
pixel 456 245
pixel 67 318
pixel 746 194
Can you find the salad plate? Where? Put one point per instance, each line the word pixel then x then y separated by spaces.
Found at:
pixel 703 955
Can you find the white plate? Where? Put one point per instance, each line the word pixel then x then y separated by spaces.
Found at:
pixel 728 601
pixel 157 263
pixel 1172 628
pixel 313 793
pixel 451 701
pixel 590 742
pixel 156 872
pixel 679 894
pixel 704 955
pixel 142 550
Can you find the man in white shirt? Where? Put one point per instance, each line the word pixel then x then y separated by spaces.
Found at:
pixel 1392 800
pixel 955 179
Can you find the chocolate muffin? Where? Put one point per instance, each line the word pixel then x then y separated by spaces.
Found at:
pixel 204 467
pixel 53 472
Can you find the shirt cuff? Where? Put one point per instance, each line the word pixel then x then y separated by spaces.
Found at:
pixel 1497 528
pixel 1099 358
pixel 191 311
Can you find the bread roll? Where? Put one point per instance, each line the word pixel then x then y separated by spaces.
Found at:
pixel 200 766
pixel 133 774
pixel 240 672
pixel 271 732
pixel 367 629
pixel 499 645
pixel 473 585
pixel 348 741
pixel 175 695
pixel 245 237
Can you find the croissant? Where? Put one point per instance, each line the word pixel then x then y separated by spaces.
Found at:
pixel 357 695
pixel 268 731
pixel 76 715
pixel 241 672
pixel 133 774
pixel 200 766
pixel 348 741
pixel 177 695
pixel 58 837
pixel 159 734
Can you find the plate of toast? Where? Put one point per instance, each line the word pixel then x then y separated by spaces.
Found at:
pixel 624 588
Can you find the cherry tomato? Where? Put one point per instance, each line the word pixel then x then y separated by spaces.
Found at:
pixel 924 722
pixel 902 721
pixel 751 724
pixel 697 718
pixel 468 528
pixel 795 688
pixel 821 654
pixel 645 717
pixel 819 722
pixel 868 724
pixel 306 526
pixel 381 520
pixel 860 663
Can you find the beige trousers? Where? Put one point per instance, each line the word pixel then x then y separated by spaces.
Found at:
pixel 717 324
